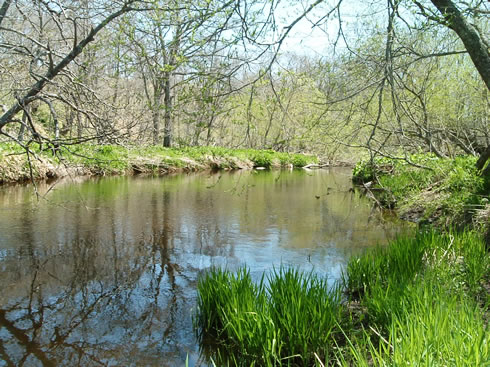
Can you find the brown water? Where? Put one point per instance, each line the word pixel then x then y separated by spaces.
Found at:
pixel 103 272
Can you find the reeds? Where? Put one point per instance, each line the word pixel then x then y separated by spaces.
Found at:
pixel 284 319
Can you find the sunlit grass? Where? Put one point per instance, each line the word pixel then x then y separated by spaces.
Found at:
pixel 447 192
pixel 215 157
pixel 117 159
pixel 284 319
pixel 421 301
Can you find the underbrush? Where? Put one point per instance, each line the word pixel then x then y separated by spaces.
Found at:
pixel 444 192
pixel 421 301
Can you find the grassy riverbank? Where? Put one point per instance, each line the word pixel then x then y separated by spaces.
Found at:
pixel 88 159
pixel 421 300
pixel 442 192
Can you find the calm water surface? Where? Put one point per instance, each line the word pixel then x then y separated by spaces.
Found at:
pixel 104 272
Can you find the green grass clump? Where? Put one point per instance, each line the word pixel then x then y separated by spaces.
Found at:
pixel 283 320
pixel 263 159
pixel 423 302
pixel 420 301
pixel 380 276
pixel 434 328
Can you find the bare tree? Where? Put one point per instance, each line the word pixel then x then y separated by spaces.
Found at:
pixel 51 62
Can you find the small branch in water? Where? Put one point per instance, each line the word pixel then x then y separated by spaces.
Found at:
pixel 370 194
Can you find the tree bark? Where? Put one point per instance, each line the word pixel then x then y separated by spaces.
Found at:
pixel 484 157
pixel 156 106
pixel 167 135
pixel 469 35
pixel 3 9
pixel 476 48
pixel 23 125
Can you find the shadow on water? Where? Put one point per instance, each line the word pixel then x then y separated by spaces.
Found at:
pixel 104 272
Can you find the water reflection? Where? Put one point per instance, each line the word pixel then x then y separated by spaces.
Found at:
pixel 104 272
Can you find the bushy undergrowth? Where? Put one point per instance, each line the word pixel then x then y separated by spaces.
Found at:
pixel 445 192
pixel 285 319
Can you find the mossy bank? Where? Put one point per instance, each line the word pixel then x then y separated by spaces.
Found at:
pixel 16 165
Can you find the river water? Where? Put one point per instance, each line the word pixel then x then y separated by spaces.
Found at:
pixel 103 272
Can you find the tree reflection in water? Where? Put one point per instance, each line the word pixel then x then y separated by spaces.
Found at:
pixel 91 319
pixel 105 272
pixel 99 303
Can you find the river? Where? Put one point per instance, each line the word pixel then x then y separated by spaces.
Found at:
pixel 103 272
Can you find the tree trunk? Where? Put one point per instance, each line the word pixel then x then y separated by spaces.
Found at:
pixel 3 9
pixel 167 134
pixel 23 125
pixel 156 107
pixel 484 157
pixel 476 49
pixel 469 35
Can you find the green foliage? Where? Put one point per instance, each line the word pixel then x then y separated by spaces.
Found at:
pixel 263 158
pixel 284 320
pixel 402 259
pixel 422 299
pixel 447 191
pixel 227 158
pixel 434 328
pixel 363 172
pixel 10 148
pixel 381 275
pixel 105 159
pixel 115 159
pixel 299 160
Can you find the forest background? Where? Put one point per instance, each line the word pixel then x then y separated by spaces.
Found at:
pixel 397 77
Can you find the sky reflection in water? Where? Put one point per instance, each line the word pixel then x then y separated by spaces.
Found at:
pixel 104 272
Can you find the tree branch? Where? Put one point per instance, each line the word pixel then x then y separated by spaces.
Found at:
pixel 55 70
